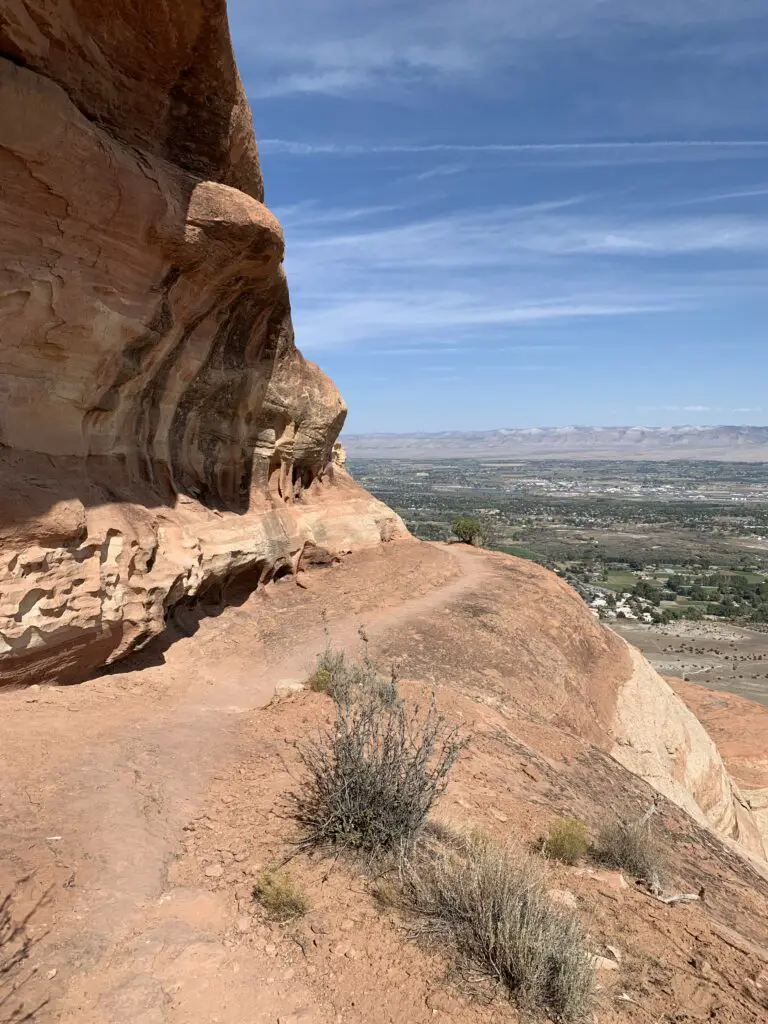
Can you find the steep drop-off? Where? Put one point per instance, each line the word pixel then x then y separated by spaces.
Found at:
pixel 160 434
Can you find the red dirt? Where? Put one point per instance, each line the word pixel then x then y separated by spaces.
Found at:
pixel 131 791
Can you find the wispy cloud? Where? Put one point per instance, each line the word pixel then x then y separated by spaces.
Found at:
pixel 470 278
pixel 627 151
pixel 722 197
pixel 339 47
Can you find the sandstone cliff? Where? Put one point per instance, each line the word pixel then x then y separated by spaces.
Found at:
pixel 160 433
pixel 739 727
pixel 162 441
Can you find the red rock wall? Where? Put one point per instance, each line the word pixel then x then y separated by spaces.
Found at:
pixel 159 430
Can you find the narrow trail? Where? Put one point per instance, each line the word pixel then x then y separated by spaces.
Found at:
pixel 98 781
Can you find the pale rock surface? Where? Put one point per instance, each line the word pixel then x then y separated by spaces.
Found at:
pixel 739 727
pixel 659 739
pixel 160 434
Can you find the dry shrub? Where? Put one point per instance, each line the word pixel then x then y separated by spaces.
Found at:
pixel 280 895
pixel 373 778
pixel 15 946
pixel 631 847
pixel 568 841
pixel 341 677
pixel 492 903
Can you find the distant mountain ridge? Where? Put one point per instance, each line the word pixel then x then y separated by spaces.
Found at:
pixel 723 443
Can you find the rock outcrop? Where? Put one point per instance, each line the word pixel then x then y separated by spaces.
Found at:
pixel 739 727
pixel 160 433
pixel 658 738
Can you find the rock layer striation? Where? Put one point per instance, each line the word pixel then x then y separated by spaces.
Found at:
pixel 160 434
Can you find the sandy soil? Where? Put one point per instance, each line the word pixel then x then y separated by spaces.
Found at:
pixel 149 798
pixel 720 657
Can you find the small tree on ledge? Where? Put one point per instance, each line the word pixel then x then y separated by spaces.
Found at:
pixel 469 531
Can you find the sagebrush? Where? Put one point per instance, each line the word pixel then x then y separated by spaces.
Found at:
pixel 631 846
pixel 492 904
pixel 568 841
pixel 342 677
pixel 371 781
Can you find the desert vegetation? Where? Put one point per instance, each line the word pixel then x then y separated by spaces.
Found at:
pixel 632 847
pixel 468 530
pixel 15 946
pixel 280 895
pixel 370 783
pixel 490 903
pixel 567 842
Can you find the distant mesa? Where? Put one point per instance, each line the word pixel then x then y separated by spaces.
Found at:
pixel 740 444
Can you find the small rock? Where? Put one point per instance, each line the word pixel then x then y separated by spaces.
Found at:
pixel 602 963
pixel 755 992
pixel 285 687
pixel 51 974
pixel 214 871
pixel 498 815
pixel 243 924
pixel 615 953
pixel 347 926
pixel 611 879
pixel 704 967
pixel 442 1003
pixel 244 891
pixel 341 948
pixel 270 949
pixel 564 897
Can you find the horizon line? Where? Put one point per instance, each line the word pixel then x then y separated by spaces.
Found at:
pixel 570 426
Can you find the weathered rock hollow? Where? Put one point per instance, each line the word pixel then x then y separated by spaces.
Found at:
pixel 160 434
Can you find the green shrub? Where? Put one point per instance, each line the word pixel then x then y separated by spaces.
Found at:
pixel 372 780
pixel 469 531
pixel 631 847
pixel 321 681
pixel 568 841
pixel 491 902
pixel 280 895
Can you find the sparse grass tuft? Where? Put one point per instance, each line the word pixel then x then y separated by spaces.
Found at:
pixel 280 895
pixel 568 841
pixel 631 847
pixel 341 677
pixel 373 778
pixel 321 681
pixel 492 903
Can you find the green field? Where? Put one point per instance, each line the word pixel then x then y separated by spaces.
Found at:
pixel 511 549
pixel 620 580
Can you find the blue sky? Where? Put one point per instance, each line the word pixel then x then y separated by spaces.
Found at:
pixel 521 212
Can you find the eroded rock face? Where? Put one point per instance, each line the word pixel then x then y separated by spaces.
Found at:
pixel 160 433
pixel 658 738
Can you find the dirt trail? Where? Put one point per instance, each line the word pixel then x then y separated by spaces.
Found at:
pixel 98 782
